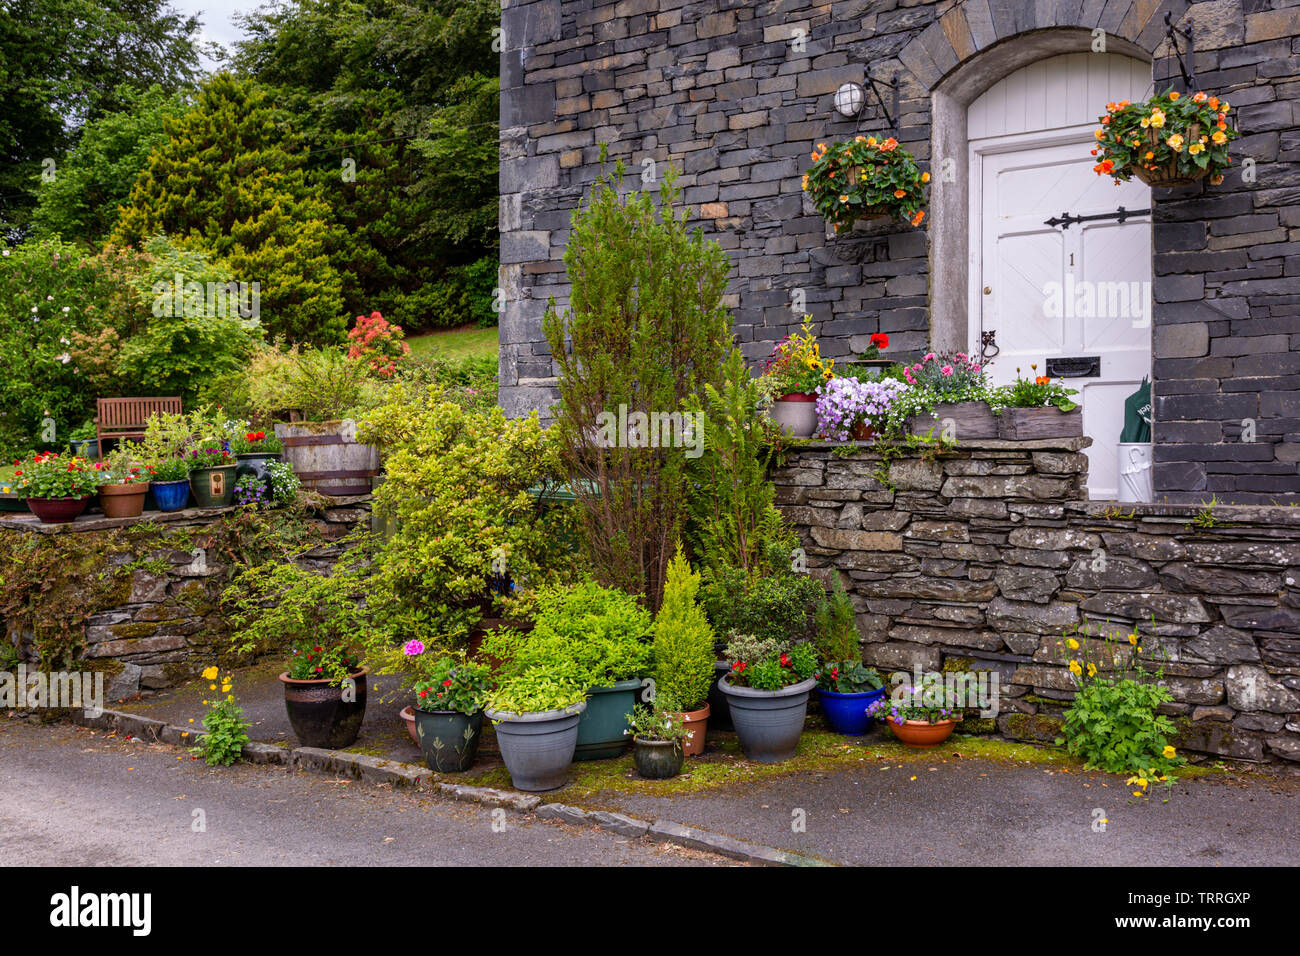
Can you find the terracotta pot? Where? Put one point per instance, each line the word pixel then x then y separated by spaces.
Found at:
pixel 863 432
pixel 796 414
pixel 696 724
pixel 920 734
pixel 57 510
pixel 123 501
pixel 319 715
pixel 408 715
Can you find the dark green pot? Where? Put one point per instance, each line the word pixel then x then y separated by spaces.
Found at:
pixel 601 731
pixel 448 738
pixel 254 463
pixel 657 759
pixel 213 487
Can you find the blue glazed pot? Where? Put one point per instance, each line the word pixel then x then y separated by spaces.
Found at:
pixel 847 713
pixel 170 495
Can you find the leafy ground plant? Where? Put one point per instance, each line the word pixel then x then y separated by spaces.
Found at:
pixel 227 731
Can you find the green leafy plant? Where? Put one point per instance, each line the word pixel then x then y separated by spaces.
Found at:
pixel 766 664
pixel 773 602
pixel 532 692
pixel 121 467
pixel 586 634
pixel 256 443
pixel 837 642
pixel 683 639
pixel 931 704
pixel 1038 392
pixel 1184 136
pixel 276 603
pixel 284 483
pixel 1113 723
pixel 227 731
pixel 863 176
pixel 452 684
pixel 324 385
pixel 170 469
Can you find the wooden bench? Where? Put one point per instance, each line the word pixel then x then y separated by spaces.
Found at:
pixel 126 417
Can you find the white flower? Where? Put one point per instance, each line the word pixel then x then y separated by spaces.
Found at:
pixel 65 358
pixel 34 308
pixel 63 341
pixel 66 309
pixel 6 252
pixel 49 298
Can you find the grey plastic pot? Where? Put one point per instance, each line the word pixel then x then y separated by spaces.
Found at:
pixel 768 723
pixel 538 748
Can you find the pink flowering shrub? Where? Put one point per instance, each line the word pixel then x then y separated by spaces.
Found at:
pixel 377 342
pixel 945 377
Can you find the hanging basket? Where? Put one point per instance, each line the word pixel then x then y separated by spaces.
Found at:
pixel 1168 175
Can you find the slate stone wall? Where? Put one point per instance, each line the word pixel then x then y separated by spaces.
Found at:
pixel 719 88
pixel 986 556
pixel 169 625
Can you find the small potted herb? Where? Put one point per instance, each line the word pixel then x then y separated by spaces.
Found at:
pixel 536 718
pixel 845 687
pixel 1037 408
pixel 767 690
pixel 792 375
pixel 658 736
pixel 449 712
pixel 919 716
pixel 57 488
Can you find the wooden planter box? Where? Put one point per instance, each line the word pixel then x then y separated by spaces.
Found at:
pixel 971 420
pixel 1029 423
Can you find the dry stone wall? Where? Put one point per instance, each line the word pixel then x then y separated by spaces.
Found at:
pixel 985 556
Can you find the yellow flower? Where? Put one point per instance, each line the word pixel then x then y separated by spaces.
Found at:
pixel 212 687
pixel 1174 94
pixel 871 141
pixel 1101 133
pixel 210 673
pixel 1071 643
pixel 1157 119
pixel 1092 670
pixel 1075 669
pixel 925 177
pixel 1133 638
pixel 1195 148
pixel 1169 753
pixel 1145 123
pixel 1219 137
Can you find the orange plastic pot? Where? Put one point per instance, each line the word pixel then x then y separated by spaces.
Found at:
pixel 696 725
pixel 919 733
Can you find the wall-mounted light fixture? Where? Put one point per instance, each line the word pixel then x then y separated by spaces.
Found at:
pixel 849 99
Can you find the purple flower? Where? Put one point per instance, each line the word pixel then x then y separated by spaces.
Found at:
pixel 843 403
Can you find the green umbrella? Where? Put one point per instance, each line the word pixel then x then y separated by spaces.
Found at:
pixel 1137 415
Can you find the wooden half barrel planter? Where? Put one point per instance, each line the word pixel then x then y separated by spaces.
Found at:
pixel 970 421
pixel 327 458
pixel 1025 424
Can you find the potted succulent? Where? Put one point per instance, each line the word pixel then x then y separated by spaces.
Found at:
pixel 125 484
pixel 919 716
pixel 947 388
pixel 658 738
pixel 325 695
pixel 683 653
pixel 170 484
pixel 865 178
pixel 767 690
pixel 792 374
pixel 449 712
pixel 591 636
pixel 536 718
pixel 1172 139
pixel 851 409
pixel 254 451
pixel 57 489
pixel 1037 408
pixel 845 687
pixel 212 475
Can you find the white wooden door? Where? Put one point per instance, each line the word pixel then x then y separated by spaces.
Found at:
pixel 1054 293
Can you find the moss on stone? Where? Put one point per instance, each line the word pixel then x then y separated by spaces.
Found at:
pixel 133 630
pixel 1033 726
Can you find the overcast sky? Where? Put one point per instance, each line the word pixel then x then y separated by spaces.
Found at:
pixel 218 17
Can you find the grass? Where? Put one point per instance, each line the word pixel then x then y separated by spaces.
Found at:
pixel 466 342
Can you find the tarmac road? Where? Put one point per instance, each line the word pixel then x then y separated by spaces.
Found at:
pixel 71 797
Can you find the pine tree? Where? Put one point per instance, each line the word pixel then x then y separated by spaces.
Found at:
pixel 228 181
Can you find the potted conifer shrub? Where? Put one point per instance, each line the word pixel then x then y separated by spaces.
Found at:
pixel 683 653
pixel 767 690
pixel 536 719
